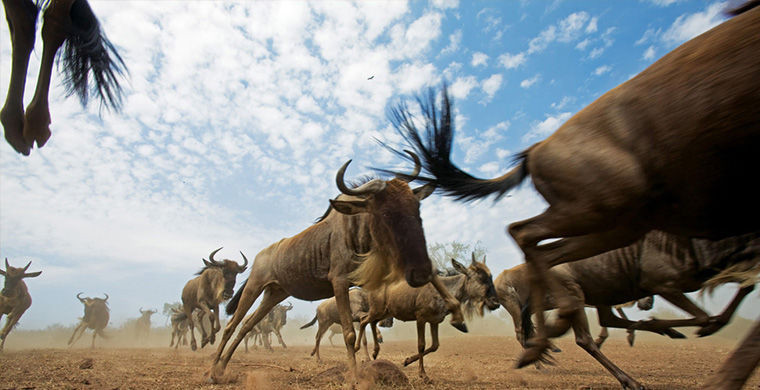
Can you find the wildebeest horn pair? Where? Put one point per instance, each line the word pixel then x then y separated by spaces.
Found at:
pixel 373 186
pixel 218 264
pixel 25 267
pixel 82 300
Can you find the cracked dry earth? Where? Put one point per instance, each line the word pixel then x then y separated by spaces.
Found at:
pixel 464 362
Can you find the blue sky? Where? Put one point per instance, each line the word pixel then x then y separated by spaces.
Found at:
pixel 238 114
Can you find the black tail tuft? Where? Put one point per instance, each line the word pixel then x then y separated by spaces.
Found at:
pixel 233 303
pixel 310 323
pixel 88 50
pixel 434 149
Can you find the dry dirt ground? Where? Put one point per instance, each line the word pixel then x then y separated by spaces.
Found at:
pixel 463 362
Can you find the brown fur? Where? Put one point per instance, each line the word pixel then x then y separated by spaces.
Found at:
pixel 179 327
pixel 15 298
pixel 96 315
pixel 142 326
pixel 272 323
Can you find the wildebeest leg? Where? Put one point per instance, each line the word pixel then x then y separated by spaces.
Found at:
pixel 340 289
pixel 603 334
pixel 377 338
pixel 452 304
pixel 10 320
pixel 81 328
pixel 267 341
pixel 22 17
pixel 94 333
pixel 279 338
pixel 330 338
pixel 322 327
pixel 584 340
pixel 609 320
pixel 205 311
pixel 215 324
pixel 251 291
pixel 512 307
pixel 273 295
pixel 631 333
pixel 709 325
pixel 739 366
pixel 576 245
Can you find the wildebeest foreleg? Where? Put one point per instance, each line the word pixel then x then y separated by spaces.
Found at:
pixel 340 289
pixel 22 17
pixel 739 366
pixel 205 311
pixel 320 332
pixel 452 304
pixel 279 338
pixel 81 328
pixel 609 320
pixel 10 320
pixel 708 325
pixel 421 351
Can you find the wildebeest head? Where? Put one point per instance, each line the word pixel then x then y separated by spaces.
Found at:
pixel 479 286
pixel 399 246
pixel 230 270
pixel 13 275
pixel 89 302
pixel 147 313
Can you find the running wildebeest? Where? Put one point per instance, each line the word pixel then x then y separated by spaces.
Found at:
pixel 272 323
pixel 179 327
pixel 142 325
pixel 369 235
pixel 513 290
pixel 670 149
pixel 328 314
pixel 96 315
pixel 214 284
pixel 86 50
pixel 15 298
pixel 472 286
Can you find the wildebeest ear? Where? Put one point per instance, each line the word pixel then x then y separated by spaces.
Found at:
pixel 33 274
pixel 349 207
pixel 2 272
pixel 459 267
pixel 208 264
pixel 424 191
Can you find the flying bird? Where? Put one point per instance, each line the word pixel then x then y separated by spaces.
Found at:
pixel 371 77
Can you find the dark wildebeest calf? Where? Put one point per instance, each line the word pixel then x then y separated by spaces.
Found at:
pixel 87 50
pixel 15 298
pixel 142 325
pixel 96 315
pixel 214 284
pixel 368 236
pixel 672 149
pixel 272 323
pixel 179 327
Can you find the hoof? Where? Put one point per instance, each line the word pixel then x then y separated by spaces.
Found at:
pixel 461 326
pixel 193 346
pixel 535 351
pixel 36 126
pixel 13 124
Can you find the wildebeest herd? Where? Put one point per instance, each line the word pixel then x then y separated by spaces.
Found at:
pixel 650 184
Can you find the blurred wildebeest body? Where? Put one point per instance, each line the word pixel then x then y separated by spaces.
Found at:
pixel 15 298
pixel 328 314
pixel 353 243
pixel 671 149
pixel 214 284
pixel 87 50
pixel 142 325
pixel 96 315
pixel 473 287
pixel 272 323
pixel 179 327
pixel 739 366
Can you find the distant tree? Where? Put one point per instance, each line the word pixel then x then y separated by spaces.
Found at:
pixel 442 253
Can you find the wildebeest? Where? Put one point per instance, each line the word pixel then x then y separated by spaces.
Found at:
pixel 96 315
pixel 513 290
pixel 142 325
pixel 87 50
pixel 670 149
pixel 179 327
pixel 15 298
pixel 739 366
pixel 214 284
pixel 327 315
pixel 272 323
pixel 369 235
pixel 473 287
pixel 661 264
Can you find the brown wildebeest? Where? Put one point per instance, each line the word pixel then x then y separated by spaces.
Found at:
pixel 369 235
pixel 272 323
pixel 670 149
pixel 15 298
pixel 513 290
pixel 96 315
pixel 142 325
pixel 473 287
pixel 328 314
pixel 214 284
pixel 661 264
pixel 179 327
pixel 739 366
pixel 87 50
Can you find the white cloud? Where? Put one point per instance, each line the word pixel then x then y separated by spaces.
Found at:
pixel 686 27
pixel 444 4
pixel 491 85
pixel 546 127
pixel 596 53
pixel 592 25
pixel 462 87
pixel 479 59
pixel 582 45
pixel 511 61
pixel 455 40
pixel 649 35
pixel 562 103
pixel 527 83
pixel 649 53
pixel 663 3
pixel 601 70
pixel 571 27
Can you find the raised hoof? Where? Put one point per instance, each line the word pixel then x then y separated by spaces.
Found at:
pixel 535 351
pixel 631 338
pixel 36 127
pixel 204 342
pixel 461 326
pixel 710 328
pixel 14 125
pixel 193 345
pixel 407 362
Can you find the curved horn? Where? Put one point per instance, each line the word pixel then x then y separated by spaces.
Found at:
pixel 372 187
pixel 417 167
pixel 6 263
pixel 473 258
pixel 290 305
pixel 27 266
pixel 106 296
pixel 211 256
pixel 245 260
pixel 80 298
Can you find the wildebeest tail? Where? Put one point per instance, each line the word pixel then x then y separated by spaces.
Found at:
pixel 433 146
pixel 233 303
pixel 526 321
pixel 310 323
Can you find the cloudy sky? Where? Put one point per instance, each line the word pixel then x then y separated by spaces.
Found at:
pixel 237 115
